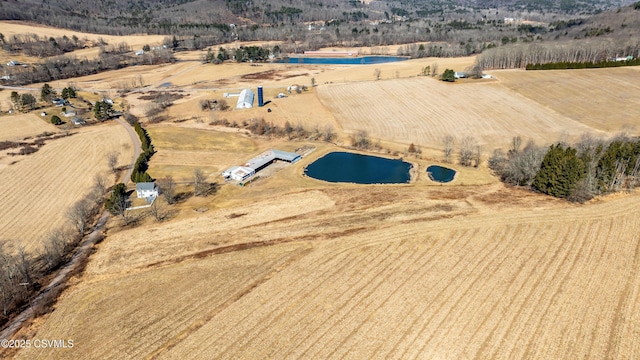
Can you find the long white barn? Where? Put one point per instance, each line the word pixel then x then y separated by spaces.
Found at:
pixel 252 166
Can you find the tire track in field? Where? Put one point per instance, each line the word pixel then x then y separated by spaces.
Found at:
pixel 539 276
pixel 490 288
pixel 296 292
pixel 450 289
pixel 195 326
pixel 457 238
pixel 554 284
pixel 464 287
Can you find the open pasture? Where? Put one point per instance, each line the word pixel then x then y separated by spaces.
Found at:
pixel 181 150
pixel 605 99
pixel 38 189
pixel 424 111
pixel 371 274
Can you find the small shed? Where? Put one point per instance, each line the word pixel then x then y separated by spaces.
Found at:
pixel 146 190
pixel 78 121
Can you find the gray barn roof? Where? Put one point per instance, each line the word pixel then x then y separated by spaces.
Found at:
pixel 142 186
pixel 285 155
pixel 270 155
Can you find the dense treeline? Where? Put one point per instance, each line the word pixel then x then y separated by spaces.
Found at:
pixel 262 127
pixel 583 65
pixel 34 45
pixel 588 168
pixel 139 173
pixel 65 67
pixel 519 56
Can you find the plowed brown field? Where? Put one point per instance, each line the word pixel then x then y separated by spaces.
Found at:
pixel 38 189
pixel 367 274
pixel 17 127
pixel 424 111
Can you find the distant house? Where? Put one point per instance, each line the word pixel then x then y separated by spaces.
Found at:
pixel 13 63
pixel 69 113
pixel 460 75
pixel 78 121
pixel 139 52
pixel 58 102
pixel 147 190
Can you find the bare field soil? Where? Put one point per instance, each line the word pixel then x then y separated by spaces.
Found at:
pixel 605 99
pixel 365 273
pixel 16 127
pixel 424 111
pixel 39 188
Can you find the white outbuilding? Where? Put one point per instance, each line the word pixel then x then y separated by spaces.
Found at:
pixel 245 100
pixel 238 173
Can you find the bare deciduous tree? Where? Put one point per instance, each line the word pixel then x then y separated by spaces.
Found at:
pixel 100 184
pixel 467 150
pixel 361 140
pixel 112 159
pixel 156 210
pixel 78 214
pixel 199 182
pixel 434 69
pixel 449 140
pixel 167 188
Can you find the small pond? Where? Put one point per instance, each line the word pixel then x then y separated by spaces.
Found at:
pixel 359 169
pixel 362 60
pixel 440 174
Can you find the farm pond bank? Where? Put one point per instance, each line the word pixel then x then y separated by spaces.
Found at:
pixel 360 169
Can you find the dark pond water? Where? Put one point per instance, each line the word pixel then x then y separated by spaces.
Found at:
pixel 359 169
pixel 363 60
pixel 440 174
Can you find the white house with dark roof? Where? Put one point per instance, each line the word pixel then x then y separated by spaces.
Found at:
pixel 147 190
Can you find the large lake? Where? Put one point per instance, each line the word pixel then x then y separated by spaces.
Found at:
pixel 360 169
pixel 362 60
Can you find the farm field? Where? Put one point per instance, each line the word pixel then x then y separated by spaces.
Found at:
pixel 290 267
pixel 181 150
pixel 366 274
pixel 18 126
pixel 424 111
pixel 39 188
pixel 605 99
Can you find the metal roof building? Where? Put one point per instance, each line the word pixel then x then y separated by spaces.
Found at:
pixel 245 100
pixel 238 173
pixel 258 163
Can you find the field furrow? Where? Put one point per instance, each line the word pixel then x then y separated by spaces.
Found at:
pixel 40 188
pixel 424 111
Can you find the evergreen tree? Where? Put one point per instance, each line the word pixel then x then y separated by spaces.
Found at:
pixel 117 202
pixel 560 171
pixel 449 75
pixel 47 92
pixel 102 110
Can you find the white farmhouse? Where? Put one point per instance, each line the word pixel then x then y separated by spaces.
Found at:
pixel 146 190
